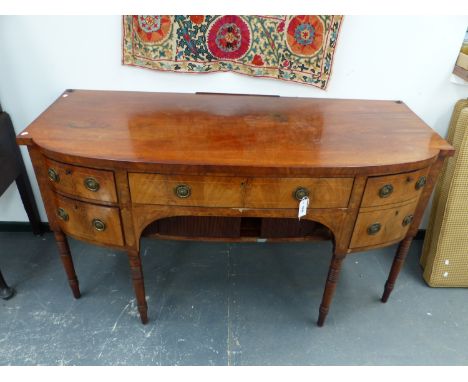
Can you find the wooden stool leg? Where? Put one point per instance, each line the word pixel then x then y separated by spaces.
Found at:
pixel 138 284
pixel 65 256
pixel 330 286
pixel 398 261
pixel 5 291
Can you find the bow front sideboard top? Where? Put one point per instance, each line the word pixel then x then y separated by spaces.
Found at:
pixel 113 166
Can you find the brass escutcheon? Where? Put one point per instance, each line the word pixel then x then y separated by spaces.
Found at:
pixel 91 184
pixel 407 220
pixel 300 193
pixel 182 191
pixel 420 183
pixel 53 175
pixel 99 225
pixel 62 214
pixel 373 228
pixel 385 191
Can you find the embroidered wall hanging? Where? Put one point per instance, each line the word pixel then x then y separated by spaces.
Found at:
pixel 292 48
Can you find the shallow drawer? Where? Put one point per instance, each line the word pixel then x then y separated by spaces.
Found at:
pixel 287 192
pixel 82 182
pixel 203 191
pixel 382 226
pixel 88 221
pixel 382 190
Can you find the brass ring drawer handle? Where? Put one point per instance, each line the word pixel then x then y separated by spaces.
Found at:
pixel 407 220
pixel 91 184
pixel 99 225
pixel 386 191
pixel 420 183
pixel 53 175
pixel 374 228
pixel 300 193
pixel 182 191
pixel 62 214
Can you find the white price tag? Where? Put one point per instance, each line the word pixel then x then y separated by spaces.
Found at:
pixel 304 203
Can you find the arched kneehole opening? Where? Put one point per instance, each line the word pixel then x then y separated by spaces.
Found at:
pixel 237 228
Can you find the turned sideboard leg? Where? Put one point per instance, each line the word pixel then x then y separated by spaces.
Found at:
pixel 65 256
pixel 330 286
pixel 138 284
pixel 398 261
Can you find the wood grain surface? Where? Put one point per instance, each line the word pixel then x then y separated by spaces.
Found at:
pixel 232 167
pixel 230 130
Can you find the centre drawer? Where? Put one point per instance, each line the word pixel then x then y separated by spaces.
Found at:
pixel 186 190
pixel 287 192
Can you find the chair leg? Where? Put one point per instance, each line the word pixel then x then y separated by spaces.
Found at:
pixel 27 196
pixel 5 291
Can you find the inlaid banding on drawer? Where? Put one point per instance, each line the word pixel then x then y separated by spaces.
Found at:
pixel 383 190
pixel 82 181
pixel 202 191
pixel 88 221
pixel 286 192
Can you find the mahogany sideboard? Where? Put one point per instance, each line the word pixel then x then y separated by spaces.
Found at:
pixel 113 166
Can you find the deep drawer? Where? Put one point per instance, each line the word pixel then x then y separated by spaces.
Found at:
pixel 382 226
pixel 88 221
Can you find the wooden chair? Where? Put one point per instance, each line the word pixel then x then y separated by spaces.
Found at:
pixel 12 169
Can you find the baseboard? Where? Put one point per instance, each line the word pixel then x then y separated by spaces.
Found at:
pixel 21 227
pixel 420 235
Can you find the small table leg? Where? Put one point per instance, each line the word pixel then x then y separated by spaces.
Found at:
pixel 5 291
pixel 65 256
pixel 138 284
pixel 398 261
pixel 330 286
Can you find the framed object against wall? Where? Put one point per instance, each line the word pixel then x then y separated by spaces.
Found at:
pixel 461 66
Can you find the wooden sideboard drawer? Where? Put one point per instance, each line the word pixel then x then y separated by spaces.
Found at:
pixel 382 226
pixel 88 221
pixel 186 190
pixel 382 190
pixel 82 182
pixel 287 192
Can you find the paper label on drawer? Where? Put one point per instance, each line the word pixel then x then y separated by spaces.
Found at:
pixel 304 203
